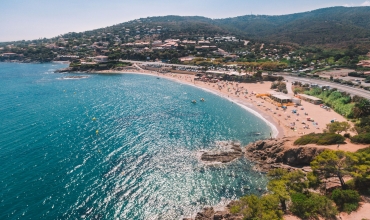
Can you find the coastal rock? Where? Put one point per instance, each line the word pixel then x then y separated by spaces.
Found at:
pixel 207 214
pixel 68 69
pixel 226 152
pixel 210 214
pixel 271 154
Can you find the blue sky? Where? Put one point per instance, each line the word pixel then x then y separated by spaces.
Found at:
pixel 33 19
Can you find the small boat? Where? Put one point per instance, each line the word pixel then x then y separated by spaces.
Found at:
pixel 194 101
pixel 202 100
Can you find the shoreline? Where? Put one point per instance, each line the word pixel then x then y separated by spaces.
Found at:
pixel 276 130
pixel 283 123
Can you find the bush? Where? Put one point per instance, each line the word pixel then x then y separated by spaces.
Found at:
pixel 253 207
pixel 347 135
pixel 361 138
pixel 320 139
pixel 313 180
pixel 312 206
pixel 346 200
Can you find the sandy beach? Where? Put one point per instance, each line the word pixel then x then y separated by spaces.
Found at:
pixel 281 121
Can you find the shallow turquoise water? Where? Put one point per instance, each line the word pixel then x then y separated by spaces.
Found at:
pixel 141 164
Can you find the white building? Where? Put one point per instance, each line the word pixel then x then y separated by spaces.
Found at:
pixel 101 59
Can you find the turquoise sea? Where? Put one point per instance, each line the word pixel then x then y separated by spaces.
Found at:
pixel 121 146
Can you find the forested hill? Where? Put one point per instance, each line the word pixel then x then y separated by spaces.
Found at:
pixel 336 25
pixel 330 27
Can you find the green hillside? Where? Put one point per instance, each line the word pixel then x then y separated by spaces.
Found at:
pixel 335 25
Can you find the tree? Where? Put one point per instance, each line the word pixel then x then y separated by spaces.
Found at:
pixel 312 205
pixel 253 207
pixel 258 74
pixel 363 126
pixel 331 164
pixel 346 200
pixel 296 91
pixel 283 183
pixel 362 108
pixel 338 127
pixel 359 167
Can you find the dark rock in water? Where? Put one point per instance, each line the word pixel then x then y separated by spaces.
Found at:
pixel 227 152
pixel 210 214
pixel 68 69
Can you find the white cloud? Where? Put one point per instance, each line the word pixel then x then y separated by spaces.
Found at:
pixel 366 3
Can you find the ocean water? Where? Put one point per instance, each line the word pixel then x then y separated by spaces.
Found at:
pixel 115 146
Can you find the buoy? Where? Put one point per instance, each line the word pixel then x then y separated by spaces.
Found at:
pixel 94 119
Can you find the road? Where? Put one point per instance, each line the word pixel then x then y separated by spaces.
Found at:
pixel 344 88
pixel 341 87
pixel 156 63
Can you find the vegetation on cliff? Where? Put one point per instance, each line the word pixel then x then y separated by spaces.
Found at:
pixel 320 139
pixel 290 191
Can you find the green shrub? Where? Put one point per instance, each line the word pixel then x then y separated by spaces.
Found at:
pixel 351 184
pixel 313 180
pixel 235 209
pixel 320 139
pixel 346 200
pixel 361 138
pixel 312 206
pixel 340 102
pixel 347 135
pixel 262 208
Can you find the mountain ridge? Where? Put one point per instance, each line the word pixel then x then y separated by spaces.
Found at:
pixel 326 26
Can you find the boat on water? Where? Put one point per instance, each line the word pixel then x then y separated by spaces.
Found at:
pixel 202 100
pixel 193 101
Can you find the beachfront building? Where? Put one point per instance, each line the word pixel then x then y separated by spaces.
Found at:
pixel 310 99
pixel 280 98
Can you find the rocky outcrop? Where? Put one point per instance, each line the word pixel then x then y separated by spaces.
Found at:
pixel 210 214
pixel 224 153
pixel 269 154
pixel 68 69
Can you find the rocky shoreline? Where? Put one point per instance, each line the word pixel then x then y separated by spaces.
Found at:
pixel 267 155
pixel 209 213
pixel 271 154
pixel 224 153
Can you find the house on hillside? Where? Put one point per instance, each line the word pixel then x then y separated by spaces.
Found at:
pixel 101 59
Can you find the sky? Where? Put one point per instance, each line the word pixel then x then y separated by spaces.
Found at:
pixel 33 19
